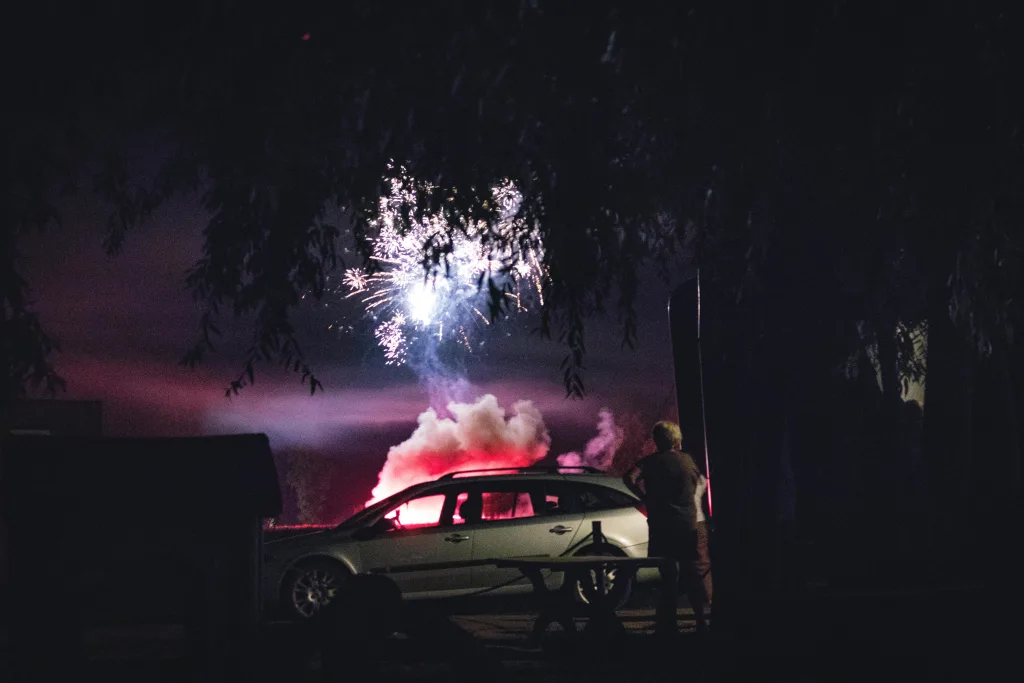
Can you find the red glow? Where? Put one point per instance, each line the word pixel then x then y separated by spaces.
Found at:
pixel 477 436
pixel 427 511
pixel 642 508
pixel 419 513
pixel 422 467
pixel 305 36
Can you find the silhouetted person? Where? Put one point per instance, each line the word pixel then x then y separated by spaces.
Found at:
pixel 472 509
pixel 671 484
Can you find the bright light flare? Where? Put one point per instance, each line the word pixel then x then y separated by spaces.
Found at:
pixel 421 301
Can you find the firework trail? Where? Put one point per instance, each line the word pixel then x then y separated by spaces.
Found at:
pixel 415 301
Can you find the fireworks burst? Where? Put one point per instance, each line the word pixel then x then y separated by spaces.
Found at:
pixel 355 279
pixel 440 302
pixel 392 339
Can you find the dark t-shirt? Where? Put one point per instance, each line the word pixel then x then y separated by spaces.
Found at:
pixel 670 480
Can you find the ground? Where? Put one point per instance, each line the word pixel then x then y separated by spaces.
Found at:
pixel 487 642
pixel 488 635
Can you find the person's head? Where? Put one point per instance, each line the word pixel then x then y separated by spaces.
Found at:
pixel 472 509
pixel 667 436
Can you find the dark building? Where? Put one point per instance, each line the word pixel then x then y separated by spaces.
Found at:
pixel 132 532
pixel 56 418
pixel 44 417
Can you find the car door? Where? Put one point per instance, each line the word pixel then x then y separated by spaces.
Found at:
pixel 424 538
pixel 521 518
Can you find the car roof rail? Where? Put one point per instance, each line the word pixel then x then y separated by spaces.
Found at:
pixel 554 469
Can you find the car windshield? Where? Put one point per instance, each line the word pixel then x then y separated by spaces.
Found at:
pixel 366 514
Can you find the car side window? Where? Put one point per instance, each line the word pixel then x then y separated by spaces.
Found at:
pixel 592 497
pixel 419 513
pixel 560 499
pixel 507 505
pixel 495 503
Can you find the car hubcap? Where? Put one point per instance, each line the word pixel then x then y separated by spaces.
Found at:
pixel 587 587
pixel 312 591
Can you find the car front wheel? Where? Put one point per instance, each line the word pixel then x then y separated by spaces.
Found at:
pixel 310 587
pixel 585 585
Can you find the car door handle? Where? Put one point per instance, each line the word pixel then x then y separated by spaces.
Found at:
pixel 560 529
pixel 456 538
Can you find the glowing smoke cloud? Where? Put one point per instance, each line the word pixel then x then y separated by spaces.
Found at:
pixel 413 305
pixel 479 437
pixel 600 450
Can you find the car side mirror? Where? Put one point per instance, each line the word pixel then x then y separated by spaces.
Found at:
pixel 381 526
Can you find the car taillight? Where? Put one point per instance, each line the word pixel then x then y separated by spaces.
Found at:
pixel 642 508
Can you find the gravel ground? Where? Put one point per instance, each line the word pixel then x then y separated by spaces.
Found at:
pixel 488 643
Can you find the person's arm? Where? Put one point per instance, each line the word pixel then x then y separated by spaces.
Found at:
pixel 633 478
pixel 692 471
pixel 702 486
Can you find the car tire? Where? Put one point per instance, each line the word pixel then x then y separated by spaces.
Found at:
pixel 583 585
pixel 310 586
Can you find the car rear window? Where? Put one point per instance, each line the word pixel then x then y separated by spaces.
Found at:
pixel 573 497
pixel 597 497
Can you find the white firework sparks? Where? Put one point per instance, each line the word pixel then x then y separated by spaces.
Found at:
pixel 355 279
pixel 392 339
pixel 411 302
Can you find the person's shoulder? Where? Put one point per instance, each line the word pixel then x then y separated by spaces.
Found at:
pixel 678 454
pixel 655 463
pixel 686 455
pixel 688 460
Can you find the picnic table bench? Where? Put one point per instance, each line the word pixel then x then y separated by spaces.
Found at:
pixel 560 606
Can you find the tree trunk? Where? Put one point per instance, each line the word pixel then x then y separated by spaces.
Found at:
pixel 946 441
pixel 730 392
pixel 997 489
pixel 892 390
pixel 962 462
pixel 745 425
pixel 4 578
pixel 1005 365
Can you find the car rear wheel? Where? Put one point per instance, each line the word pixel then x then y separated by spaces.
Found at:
pixel 310 587
pixel 585 585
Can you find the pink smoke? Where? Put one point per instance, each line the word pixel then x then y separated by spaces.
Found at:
pixel 477 436
pixel 600 450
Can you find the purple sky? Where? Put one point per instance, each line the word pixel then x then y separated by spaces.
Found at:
pixel 123 323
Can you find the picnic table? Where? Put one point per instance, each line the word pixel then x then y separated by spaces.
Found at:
pixel 560 606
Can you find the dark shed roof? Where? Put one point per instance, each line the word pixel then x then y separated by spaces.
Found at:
pixel 124 478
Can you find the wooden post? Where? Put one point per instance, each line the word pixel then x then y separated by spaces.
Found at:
pixel 598 534
pixel 666 621
pixel 599 539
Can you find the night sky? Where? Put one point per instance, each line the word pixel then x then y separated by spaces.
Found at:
pixel 124 322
